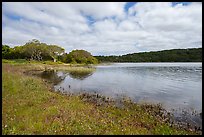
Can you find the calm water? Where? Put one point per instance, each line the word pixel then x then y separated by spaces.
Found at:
pixel 174 85
pixel 177 86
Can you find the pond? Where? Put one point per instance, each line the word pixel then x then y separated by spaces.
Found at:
pixel 177 86
pixel 172 84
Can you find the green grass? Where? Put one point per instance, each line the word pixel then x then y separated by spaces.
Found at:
pixel 24 61
pixel 30 107
pixel 13 61
pixel 46 65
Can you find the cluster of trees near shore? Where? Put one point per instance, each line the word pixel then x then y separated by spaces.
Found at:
pixel 35 50
pixel 174 55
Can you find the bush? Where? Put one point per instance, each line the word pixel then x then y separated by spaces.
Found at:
pixel 81 57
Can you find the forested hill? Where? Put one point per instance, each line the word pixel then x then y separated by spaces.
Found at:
pixel 174 55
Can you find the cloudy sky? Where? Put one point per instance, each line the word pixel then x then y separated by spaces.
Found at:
pixel 108 28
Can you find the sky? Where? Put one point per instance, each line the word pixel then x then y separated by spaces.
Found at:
pixel 104 28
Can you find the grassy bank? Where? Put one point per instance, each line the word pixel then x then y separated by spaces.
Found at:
pixel 22 65
pixel 30 107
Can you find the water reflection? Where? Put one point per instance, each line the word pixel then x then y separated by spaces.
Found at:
pixel 52 76
pixel 80 75
pixel 174 85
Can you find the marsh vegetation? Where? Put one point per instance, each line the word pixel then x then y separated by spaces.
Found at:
pixel 31 106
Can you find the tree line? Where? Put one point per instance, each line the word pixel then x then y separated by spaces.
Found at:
pixel 35 50
pixel 174 55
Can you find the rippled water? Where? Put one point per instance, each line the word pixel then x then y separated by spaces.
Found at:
pixel 175 85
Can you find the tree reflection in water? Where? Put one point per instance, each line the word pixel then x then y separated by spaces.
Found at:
pixel 52 76
pixel 80 75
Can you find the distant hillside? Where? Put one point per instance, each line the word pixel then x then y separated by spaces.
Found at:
pixel 174 55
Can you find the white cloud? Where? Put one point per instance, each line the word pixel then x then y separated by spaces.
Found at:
pixel 145 27
pixel 100 10
pixel 105 25
pixel 127 25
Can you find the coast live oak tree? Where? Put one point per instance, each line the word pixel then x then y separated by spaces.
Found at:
pixel 35 50
pixel 55 51
pixel 32 50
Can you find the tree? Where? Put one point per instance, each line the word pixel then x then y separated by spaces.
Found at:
pixel 35 50
pixel 32 50
pixel 5 51
pixel 55 51
pixel 174 55
pixel 17 52
pixel 81 56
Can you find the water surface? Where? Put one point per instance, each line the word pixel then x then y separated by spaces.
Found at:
pixel 177 86
pixel 174 85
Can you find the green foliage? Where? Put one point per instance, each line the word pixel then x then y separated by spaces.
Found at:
pixel 81 57
pixel 5 51
pixel 175 55
pixel 12 53
pixel 32 50
pixel 35 50
pixel 54 51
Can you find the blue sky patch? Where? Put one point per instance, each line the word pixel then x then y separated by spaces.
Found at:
pixel 183 3
pixel 90 19
pixel 13 17
pixel 128 5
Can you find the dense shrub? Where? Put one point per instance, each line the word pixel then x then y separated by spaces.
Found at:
pixel 80 56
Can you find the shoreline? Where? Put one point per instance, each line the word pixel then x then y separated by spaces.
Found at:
pixel 154 108
pixel 149 119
